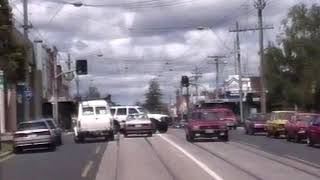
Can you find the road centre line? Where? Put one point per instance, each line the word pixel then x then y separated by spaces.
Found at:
pixel 86 170
pixel 98 149
pixel 6 158
pixel 303 161
pixel 251 145
pixel 195 160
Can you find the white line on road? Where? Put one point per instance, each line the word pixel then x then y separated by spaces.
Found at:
pixel 86 170
pixel 198 162
pixel 303 161
pixel 6 158
pixel 248 144
pixel 98 149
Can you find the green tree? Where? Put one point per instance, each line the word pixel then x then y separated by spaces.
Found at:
pixel 292 66
pixel 153 102
pixel 12 56
pixel 93 93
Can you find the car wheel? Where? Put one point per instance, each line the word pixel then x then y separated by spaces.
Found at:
pixel 125 135
pixel 246 131
pixel 297 138
pixel 310 142
pixel 52 147
pixel 60 141
pixel 234 127
pixel 268 133
pixel 191 136
pixel 150 134
pixel 111 137
pixel 17 150
pixel 276 135
pixel 251 131
pixel 224 138
pixel 288 137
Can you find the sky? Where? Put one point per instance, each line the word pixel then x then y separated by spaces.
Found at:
pixel 129 42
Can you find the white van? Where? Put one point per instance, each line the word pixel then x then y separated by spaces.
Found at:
pixel 94 120
pixel 120 114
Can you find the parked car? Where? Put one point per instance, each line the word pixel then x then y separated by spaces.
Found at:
pixel 276 124
pixel 313 132
pixel 56 130
pixel 207 124
pixel 120 114
pixel 94 120
pixel 33 134
pixel 297 126
pixel 255 123
pixel 138 124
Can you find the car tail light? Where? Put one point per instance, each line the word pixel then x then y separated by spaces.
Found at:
pixel 43 133
pixel 20 135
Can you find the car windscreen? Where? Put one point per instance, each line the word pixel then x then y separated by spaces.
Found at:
pixel 285 116
pixel 307 117
pixel 32 126
pixel 212 116
pixel 51 124
pixel 258 117
pixel 87 111
pixel 137 117
pixel 101 110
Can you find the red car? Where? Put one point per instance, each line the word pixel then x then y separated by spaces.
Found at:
pixel 255 123
pixel 206 124
pixel 297 126
pixel 228 116
pixel 313 132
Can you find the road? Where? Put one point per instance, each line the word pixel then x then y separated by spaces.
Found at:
pixel 168 157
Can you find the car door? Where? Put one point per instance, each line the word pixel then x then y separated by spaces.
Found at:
pixel 291 126
pixel 122 114
pixel 103 119
pixel 315 130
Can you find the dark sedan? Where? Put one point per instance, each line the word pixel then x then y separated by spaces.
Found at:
pixel 255 123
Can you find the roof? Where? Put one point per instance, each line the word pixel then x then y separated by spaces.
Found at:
pixel 125 106
pixel 283 111
pixel 94 102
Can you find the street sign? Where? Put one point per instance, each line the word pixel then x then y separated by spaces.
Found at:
pixel 27 93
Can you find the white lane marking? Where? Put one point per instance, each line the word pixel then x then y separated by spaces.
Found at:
pixel 198 162
pixel 248 144
pixel 98 149
pixel 303 161
pixel 6 158
pixel 86 170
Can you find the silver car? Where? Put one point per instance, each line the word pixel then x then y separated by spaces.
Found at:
pixel 138 124
pixel 57 131
pixel 33 134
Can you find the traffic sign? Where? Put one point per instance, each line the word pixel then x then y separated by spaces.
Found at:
pixel 27 93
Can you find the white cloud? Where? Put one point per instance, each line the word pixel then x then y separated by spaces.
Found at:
pixel 156 42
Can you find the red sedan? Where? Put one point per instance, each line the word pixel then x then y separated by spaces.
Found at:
pixel 206 124
pixel 313 132
pixel 296 127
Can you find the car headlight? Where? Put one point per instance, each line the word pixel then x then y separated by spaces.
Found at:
pixel 195 127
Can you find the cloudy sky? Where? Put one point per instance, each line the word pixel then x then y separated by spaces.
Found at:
pixel 129 42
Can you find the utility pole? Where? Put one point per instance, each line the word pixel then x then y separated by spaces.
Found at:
pixel 217 62
pixel 197 75
pixel 55 106
pixel 26 105
pixel 237 30
pixel 260 5
pixel 2 106
pixel 69 62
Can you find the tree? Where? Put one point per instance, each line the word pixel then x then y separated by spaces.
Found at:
pixel 12 56
pixel 92 93
pixel 292 66
pixel 153 97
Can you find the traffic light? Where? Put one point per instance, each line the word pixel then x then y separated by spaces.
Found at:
pixel 81 67
pixel 185 81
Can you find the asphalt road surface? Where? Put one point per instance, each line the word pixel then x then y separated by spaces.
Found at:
pixel 168 157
